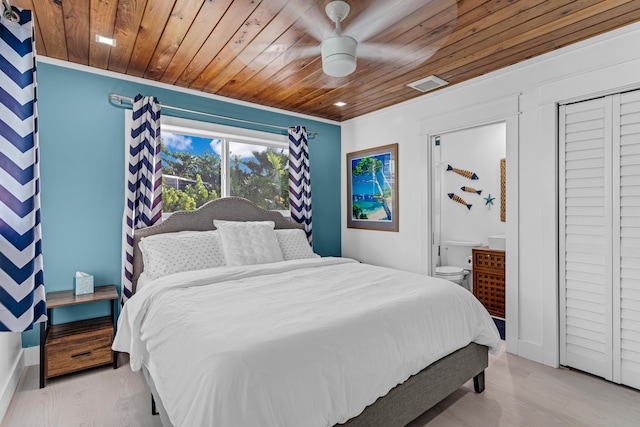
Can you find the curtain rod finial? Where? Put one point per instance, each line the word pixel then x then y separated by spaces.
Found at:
pixel 116 98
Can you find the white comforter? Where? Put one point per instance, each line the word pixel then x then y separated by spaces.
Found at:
pixel 294 343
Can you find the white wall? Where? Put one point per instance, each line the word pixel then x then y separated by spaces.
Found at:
pixel 479 150
pixel 604 64
pixel 10 368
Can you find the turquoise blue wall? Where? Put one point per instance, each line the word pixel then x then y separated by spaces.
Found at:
pixel 82 175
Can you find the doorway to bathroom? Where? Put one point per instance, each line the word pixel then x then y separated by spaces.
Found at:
pixel 468 212
pixel 505 110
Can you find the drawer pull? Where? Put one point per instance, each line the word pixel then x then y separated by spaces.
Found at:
pixel 86 353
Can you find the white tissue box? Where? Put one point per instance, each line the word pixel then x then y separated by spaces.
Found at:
pixel 83 285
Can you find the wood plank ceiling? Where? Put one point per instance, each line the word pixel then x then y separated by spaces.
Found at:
pixel 250 49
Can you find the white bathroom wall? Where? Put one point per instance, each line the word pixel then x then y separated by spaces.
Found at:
pixel 609 62
pixel 479 150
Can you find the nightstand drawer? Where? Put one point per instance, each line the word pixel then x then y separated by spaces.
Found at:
pixel 79 345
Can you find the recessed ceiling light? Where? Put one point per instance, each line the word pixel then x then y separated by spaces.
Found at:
pixel 106 40
pixel 340 104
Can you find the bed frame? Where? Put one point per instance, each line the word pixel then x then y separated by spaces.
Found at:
pixel 397 408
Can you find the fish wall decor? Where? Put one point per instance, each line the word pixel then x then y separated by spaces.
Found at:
pixel 462 172
pixel 459 200
pixel 471 190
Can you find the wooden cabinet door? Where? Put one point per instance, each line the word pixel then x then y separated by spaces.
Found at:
pixel 489 280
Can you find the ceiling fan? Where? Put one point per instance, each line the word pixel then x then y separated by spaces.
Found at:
pixel 340 47
pixel 339 50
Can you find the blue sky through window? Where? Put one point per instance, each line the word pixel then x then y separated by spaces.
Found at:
pixel 194 144
pixel 197 146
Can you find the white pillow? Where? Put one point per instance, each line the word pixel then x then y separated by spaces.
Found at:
pixel 249 242
pixel 294 244
pixel 170 253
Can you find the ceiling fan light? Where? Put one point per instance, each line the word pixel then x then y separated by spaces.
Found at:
pixel 339 56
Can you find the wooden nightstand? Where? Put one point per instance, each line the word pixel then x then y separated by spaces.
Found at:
pixel 74 346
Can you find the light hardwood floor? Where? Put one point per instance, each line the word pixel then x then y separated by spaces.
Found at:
pixel 518 393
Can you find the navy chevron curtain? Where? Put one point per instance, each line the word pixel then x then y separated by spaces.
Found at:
pixel 22 294
pixel 299 178
pixel 144 180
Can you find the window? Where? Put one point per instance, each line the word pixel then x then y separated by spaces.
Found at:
pixel 202 162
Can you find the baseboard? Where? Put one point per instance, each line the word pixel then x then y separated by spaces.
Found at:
pixel 31 356
pixel 8 389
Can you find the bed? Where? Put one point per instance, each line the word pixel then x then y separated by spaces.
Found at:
pixel 296 340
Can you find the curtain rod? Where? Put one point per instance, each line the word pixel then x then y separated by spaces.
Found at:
pixel 120 99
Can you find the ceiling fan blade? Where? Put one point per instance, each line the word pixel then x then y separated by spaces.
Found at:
pixel 402 55
pixel 303 51
pixel 308 17
pixel 382 14
pixel 277 53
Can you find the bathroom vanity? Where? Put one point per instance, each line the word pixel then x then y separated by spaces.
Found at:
pixel 489 279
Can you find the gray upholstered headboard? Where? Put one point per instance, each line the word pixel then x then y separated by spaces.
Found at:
pixel 201 219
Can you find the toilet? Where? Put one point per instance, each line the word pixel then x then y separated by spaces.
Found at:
pixel 455 260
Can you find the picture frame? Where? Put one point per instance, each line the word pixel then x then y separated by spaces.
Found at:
pixel 372 188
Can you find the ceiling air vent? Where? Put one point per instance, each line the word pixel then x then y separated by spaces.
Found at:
pixel 428 83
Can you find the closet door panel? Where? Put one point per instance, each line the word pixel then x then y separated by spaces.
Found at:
pixel 585 242
pixel 628 153
pixel 600 236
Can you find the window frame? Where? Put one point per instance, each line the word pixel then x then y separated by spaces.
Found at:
pixel 226 134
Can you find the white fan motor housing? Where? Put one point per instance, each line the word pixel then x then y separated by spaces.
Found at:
pixel 339 55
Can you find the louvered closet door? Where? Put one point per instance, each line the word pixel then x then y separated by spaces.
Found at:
pixel 585 236
pixel 627 237
pixel 600 237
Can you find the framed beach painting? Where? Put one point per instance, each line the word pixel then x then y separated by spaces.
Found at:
pixel 372 188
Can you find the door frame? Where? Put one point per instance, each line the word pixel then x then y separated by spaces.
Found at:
pixel 505 109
